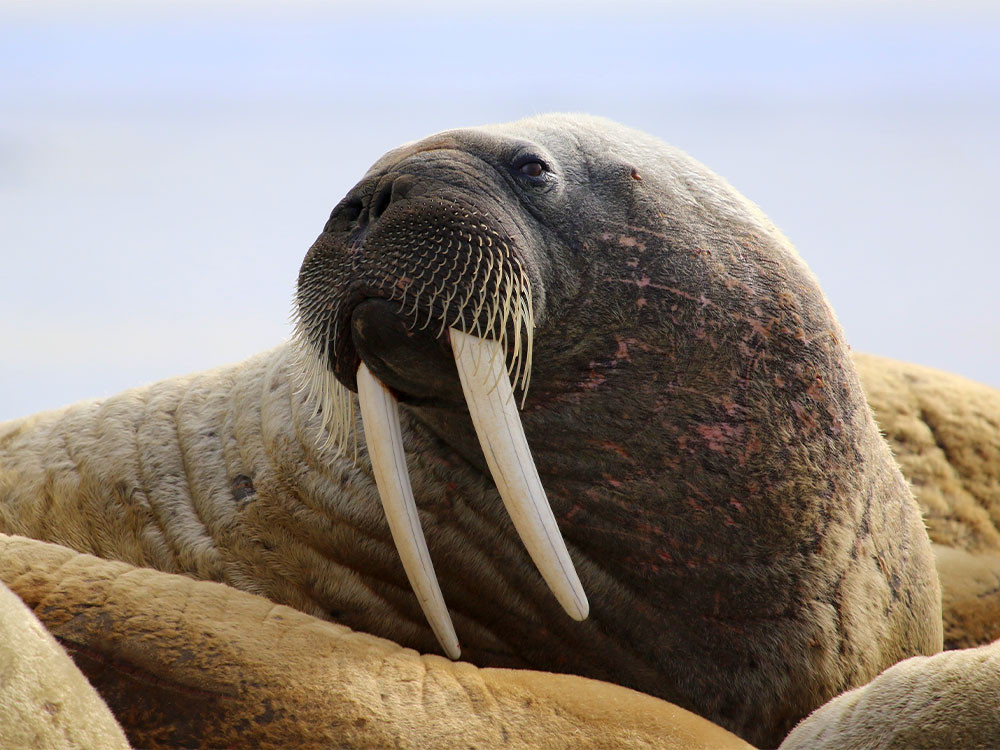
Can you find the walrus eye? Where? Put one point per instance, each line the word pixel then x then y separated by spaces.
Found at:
pixel 530 166
pixel 532 169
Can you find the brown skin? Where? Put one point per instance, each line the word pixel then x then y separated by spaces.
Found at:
pixel 221 656
pixel 747 543
pixel 195 664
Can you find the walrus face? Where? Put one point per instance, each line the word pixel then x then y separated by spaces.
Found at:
pixel 426 242
pixel 423 289
pixel 469 230
pixel 745 545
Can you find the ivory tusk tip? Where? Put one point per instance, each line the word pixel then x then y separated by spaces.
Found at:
pixel 572 598
pixel 581 611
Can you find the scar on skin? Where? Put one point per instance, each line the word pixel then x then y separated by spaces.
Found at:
pixel 626 241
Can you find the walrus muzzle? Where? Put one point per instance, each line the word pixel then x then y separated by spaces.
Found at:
pixel 406 285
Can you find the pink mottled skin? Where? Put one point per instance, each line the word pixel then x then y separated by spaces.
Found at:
pixel 712 460
pixel 747 543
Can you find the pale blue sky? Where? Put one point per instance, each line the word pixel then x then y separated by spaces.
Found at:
pixel 164 169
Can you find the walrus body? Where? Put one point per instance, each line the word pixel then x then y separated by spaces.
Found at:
pixel 949 700
pixel 748 546
pixel 44 700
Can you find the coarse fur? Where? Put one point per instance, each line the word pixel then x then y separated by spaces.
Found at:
pixel 944 431
pixel 748 545
pixel 209 638
pixel 45 702
pixel 230 669
pixel 949 700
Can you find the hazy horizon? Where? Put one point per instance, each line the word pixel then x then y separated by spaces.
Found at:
pixel 162 172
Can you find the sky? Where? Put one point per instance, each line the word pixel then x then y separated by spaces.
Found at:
pixel 165 166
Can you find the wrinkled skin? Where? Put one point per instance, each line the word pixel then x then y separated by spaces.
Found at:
pixel 747 543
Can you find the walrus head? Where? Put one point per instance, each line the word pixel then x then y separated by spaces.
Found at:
pixel 747 545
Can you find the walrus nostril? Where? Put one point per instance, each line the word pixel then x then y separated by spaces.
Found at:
pixel 344 215
pixel 380 202
pixel 389 193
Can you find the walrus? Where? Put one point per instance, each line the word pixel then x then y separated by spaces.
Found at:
pixel 949 700
pixel 197 664
pixel 45 702
pixel 700 482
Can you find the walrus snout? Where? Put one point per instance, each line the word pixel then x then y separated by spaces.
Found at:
pixel 434 256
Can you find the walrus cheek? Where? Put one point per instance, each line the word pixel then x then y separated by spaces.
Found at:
pixel 489 396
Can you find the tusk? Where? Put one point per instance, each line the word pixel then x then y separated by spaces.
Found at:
pixel 488 393
pixel 380 415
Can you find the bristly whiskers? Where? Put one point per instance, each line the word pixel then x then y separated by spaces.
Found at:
pixel 444 264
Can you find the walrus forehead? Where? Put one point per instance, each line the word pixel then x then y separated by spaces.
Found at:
pixel 491 144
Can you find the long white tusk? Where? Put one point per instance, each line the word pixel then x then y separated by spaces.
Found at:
pixel 488 394
pixel 380 415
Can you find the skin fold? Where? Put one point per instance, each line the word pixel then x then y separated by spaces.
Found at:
pixel 214 666
pixel 230 669
pixel 748 545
